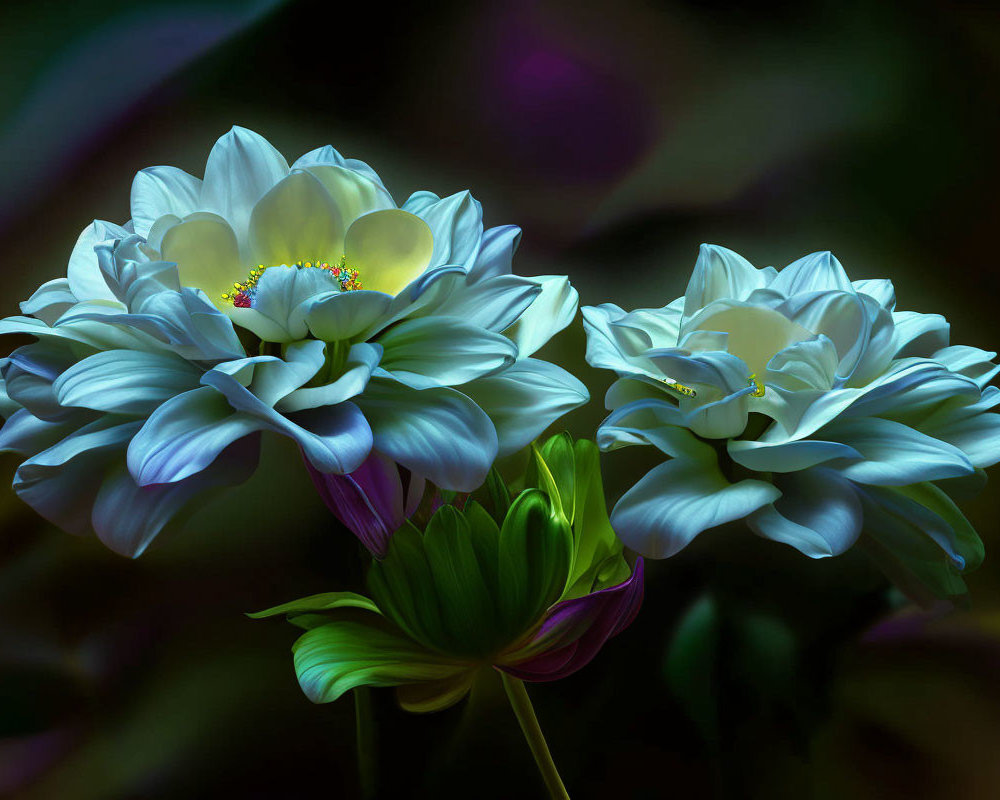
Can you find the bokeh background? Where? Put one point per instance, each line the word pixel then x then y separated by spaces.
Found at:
pixel 619 136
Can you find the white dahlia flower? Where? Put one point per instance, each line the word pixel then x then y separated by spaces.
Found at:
pixel 804 403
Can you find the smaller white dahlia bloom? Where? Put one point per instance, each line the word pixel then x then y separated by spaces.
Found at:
pixel 804 403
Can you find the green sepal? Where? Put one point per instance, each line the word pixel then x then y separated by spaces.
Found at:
pixel 904 551
pixel 571 473
pixel 536 551
pixel 364 649
pixel 493 496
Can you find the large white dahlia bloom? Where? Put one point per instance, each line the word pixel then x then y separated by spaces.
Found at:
pixel 295 299
pixel 802 402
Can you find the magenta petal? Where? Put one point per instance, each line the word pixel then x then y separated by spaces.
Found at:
pixel 369 501
pixel 574 630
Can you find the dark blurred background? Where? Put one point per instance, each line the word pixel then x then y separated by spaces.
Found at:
pixel 619 136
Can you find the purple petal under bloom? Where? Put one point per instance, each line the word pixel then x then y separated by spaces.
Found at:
pixel 574 630
pixel 370 501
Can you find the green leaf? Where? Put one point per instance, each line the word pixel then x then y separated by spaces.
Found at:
pixel 599 560
pixel 402 584
pixel 365 651
pixel 536 548
pixel 555 473
pixel 493 496
pixel 466 602
pixel 317 603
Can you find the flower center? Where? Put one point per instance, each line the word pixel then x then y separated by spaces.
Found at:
pixel 755 335
pixel 243 294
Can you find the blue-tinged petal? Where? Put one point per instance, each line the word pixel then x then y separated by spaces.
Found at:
pixel 912 388
pixel 88 326
pixel 29 372
pixel 449 350
pixel 126 516
pixel 917 334
pixel 679 499
pixel 439 433
pixel 550 312
pixel 276 378
pixel 184 435
pixel 639 387
pixel 811 364
pixel 241 167
pixel 328 155
pixel 333 438
pixel 660 327
pixel 455 221
pixel 346 315
pixel 816 272
pixel 125 381
pixel 284 297
pixel 49 301
pixel 928 510
pixel 157 191
pixel 524 399
pixel 787 456
pixel 496 253
pixel 25 434
pixel 492 303
pixel 192 325
pixel 879 289
pixel 970 362
pixel 650 421
pixel 718 419
pixel 60 483
pixel 83 274
pixel 977 436
pixel 895 454
pixel 719 274
pixel 723 371
pixel 818 513
pixel 362 359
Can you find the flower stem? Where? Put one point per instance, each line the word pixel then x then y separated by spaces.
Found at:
pixel 525 714
pixel 365 740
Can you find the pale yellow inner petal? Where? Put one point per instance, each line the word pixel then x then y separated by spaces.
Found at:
pixel 353 194
pixel 755 334
pixel 389 248
pixel 296 220
pixel 207 255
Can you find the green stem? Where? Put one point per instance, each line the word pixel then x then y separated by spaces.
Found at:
pixel 525 714
pixel 365 740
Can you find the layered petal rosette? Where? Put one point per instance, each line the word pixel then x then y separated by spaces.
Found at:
pixel 807 405
pixel 367 332
pixel 533 589
pixel 77 398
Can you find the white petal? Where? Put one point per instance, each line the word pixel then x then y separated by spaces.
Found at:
pixel 84 275
pixel 679 499
pixel 157 191
pixel 241 167
pixel 819 514
pixel 549 313
pixel 296 220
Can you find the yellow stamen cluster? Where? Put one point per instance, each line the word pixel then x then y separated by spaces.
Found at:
pixel 687 391
pixel 243 293
pixel 757 384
